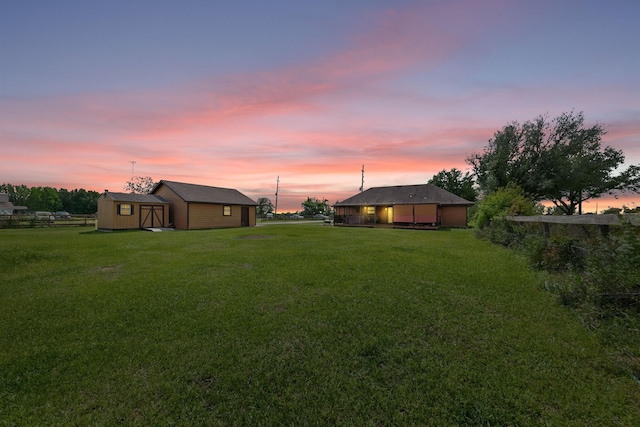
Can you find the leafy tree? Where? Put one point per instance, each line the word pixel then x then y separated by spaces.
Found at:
pixel 558 160
pixel 18 195
pixel 264 206
pixel 44 199
pixel 506 201
pixel 454 182
pixel 140 185
pixel 314 206
pixel 79 201
pixel 50 199
pixel 610 210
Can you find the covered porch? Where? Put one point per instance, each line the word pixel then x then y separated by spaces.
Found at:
pixel 423 216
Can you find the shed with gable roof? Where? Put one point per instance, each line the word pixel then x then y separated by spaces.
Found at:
pixel 124 211
pixel 194 206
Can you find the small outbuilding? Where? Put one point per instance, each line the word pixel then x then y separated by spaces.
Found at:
pixel 403 206
pixel 123 211
pixel 7 207
pixel 193 206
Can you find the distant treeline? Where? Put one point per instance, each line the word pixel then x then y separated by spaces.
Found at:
pixel 51 199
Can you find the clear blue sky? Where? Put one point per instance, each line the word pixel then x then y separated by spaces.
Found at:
pixel 236 93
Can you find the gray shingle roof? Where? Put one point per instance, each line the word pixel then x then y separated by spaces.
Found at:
pixel 404 195
pixel 195 193
pixel 135 198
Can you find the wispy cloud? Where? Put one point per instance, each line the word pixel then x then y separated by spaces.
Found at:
pixel 314 122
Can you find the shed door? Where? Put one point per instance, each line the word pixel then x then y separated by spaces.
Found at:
pixel 151 216
pixel 244 219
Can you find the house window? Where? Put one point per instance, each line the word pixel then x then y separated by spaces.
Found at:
pixel 125 209
pixel 371 210
pixel 226 210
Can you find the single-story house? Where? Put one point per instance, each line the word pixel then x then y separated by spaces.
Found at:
pixel 193 206
pixel 412 206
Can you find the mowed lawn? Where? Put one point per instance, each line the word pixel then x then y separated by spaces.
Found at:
pixel 292 325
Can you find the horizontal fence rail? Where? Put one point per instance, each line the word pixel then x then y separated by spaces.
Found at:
pixel 607 219
pixel 28 221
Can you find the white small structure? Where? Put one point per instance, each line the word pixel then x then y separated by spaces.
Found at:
pixel 6 207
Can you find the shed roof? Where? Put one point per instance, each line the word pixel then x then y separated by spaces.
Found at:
pixel 404 195
pixel 195 193
pixel 135 198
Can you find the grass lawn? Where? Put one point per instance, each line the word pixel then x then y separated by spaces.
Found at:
pixel 295 325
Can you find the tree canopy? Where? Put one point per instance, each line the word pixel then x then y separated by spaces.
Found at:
pixel 314 206
pixel 140 185
pixel 559 160
pixel 264 206
pixel 78 201
pixel 454 182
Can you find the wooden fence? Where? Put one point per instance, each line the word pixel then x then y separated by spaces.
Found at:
pixel 27 221
pixel 603 222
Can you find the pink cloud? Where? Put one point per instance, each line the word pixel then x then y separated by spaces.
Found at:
pixel 312 123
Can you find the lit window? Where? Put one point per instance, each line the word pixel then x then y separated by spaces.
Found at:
pixel 371 210
pixel 226 210
pixel 125 209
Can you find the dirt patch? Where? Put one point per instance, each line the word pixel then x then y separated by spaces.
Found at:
pixel 254 236
pixel 109 268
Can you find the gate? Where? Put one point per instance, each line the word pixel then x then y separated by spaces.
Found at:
pixel 151 216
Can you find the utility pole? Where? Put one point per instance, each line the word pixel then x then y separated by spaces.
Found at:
pixel 362 182
pixel 275 212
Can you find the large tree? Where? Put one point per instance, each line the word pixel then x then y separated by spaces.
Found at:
pixel 559 160
pixel 140 185
pixel 264 206
pixel 313 206
pixel 454 182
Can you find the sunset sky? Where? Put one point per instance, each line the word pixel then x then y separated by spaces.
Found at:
pixel 236 93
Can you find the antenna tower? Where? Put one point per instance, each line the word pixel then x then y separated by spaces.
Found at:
pixel 133 165
pixel 275 212
pixel 362 182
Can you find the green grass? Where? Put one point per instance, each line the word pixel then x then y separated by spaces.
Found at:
pixel 292 325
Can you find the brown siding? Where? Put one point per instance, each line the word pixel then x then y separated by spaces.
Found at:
pixel 178 210
pixel 105 213
pixel 191 216
pixel 252 216
pixel 108 218
pixel 403 213
pixel 426 213
pixel 454 216
pixel 205 215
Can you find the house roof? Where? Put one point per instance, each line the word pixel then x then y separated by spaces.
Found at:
pixel 404 195
pixel 195 193
pixel 7 207
pixel 135 198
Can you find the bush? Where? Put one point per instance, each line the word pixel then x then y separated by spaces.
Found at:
pixel 534 247
pixel 504 202
pixel 563 253
pixel 613 267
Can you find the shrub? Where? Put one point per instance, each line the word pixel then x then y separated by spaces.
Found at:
pixel 613 266
pixel 563 253
pixel 534 247
pixel 504 202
